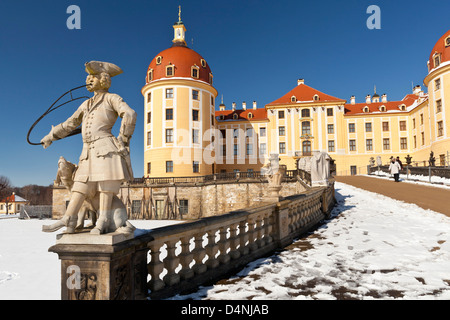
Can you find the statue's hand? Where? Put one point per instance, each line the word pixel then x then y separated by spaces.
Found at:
pixel 47 141
pixel 124 140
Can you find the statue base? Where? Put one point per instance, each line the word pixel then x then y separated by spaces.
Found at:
pixel 85 237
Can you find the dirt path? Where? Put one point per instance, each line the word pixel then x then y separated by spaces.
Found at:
pixel 433 198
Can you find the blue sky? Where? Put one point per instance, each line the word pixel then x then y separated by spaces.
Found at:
pixel 257 50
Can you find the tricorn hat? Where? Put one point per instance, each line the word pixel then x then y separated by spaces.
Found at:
pixel 97 67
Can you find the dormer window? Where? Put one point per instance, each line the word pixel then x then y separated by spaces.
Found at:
pixel 221 117
pixel 250 115
pixel 293 99
pixel 235 116
pixel 366 109
pixel 402 107
pixel 382 108
pixel 447 41
pixel 437 60
pixel 158 59
pixel 149 75
pixel 195 71
pixel 203 63
pixel 169 71
pixel 210 79
pixel 316 97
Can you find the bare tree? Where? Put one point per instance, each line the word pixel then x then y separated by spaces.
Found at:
pixel 5 187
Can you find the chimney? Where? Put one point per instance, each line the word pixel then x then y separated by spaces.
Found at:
pixel 244 105
pixel 368 98
pixel 384 98
pixel 417 90
pixel 352 100
pixel 254 105
pixel 233 106
pixel 300 81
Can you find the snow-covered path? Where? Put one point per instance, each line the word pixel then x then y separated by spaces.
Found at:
pixel 373 247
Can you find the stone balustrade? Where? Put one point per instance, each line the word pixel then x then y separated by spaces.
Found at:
pixel 178 258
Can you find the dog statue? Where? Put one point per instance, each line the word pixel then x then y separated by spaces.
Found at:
pixel 118 220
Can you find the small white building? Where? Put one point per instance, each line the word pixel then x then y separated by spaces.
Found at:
pixel 12 204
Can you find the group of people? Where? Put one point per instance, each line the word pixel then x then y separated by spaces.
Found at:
pixel 395 167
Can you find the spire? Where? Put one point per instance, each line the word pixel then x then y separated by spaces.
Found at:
pixel 179 31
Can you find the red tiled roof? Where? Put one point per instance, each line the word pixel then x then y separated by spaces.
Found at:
pixel 440 47
pixel 303 94
pixel 258 114
pixel 357 108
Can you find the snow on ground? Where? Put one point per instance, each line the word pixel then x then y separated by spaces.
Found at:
pixel 436 181
pixel 373 247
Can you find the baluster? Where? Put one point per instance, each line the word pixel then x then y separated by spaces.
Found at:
pixel 268 227
pixel 185 259
pixel 243 238
pixel 224 245
pixel 155 267
pixel 211 250
pixel 234 242
pixel 251 234
pixel 259 231
pixel 171 263
pixel 199 254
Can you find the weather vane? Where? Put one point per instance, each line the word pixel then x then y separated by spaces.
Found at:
pixel 179 13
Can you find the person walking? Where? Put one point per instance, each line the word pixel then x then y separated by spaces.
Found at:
pixel 394 169
pixel 401 164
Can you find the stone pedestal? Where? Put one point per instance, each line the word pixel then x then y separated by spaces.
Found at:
pixel 274 193
pixel 101 267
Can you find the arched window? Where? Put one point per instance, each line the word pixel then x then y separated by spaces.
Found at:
pixel 366 109
pixel 382 108
pixel 293 99
pixel 169 70
pixel 306 113
pixel 402 107
pixel 250 115
pixel 316 97
pixel 150 75
pixel 195 71
pixel 306 127
pixel 235 116
pixel 158 59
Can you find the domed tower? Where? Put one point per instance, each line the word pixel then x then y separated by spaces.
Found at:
pixel 438 83
pixel 179 104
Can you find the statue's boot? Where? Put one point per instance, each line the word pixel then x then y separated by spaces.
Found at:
pixel 67 221
pixel 100 226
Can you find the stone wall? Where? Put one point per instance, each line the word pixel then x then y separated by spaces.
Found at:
pixel 204 199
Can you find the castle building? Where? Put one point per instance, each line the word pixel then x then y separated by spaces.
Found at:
pixel 186 136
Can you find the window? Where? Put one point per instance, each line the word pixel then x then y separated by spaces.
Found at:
pixel 421 119
pixel 306 148
pixel 262 148
pixel 235 116
pixel 262 132
pixel 195 94
pixel 184 206
pixel 438 106
pixel 149 117
pixel 382 108
pixel 203 63
pixel 293 99
pixel 223 132
pixel 158 59
pixel 212 100
pixel 423 137
pixel 440 128
pixel 306 113
pixel 386 144
pixel 169 166
pixel 368 126
pixel 366 109
pixel 281 131
pixel 169 135
pixel 194 72
pixel 149 167
pixel 159 208
pixel 224 150
pixel 352 145
pixel 195 166
pixel 249 132
pixel 210 79
pixel 235 149
pixel 403 143
pixel 402 107
pixel 385 126
pixel 316 97
pixel 169 93
pixel 236 133
pixel 330 128
pixel 281 114
pixel 136 206
pixel 414 123
pixel 402 125
pixel 415 142
pixel 331 146
pixel 249 149
pixel 194 115
pixel 149 138
pixel 195 136
pixel 169 114
pixel 437 84
pixel 329 112
pixel 282 147
pixel 250 115
pixel 351 127
pixel 306 128
pixel 369 145
pixel 150 75
pixel 169 71
pixel 437 60
pixel 149 97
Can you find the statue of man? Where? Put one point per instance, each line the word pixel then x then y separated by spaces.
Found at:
pixel 105 160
